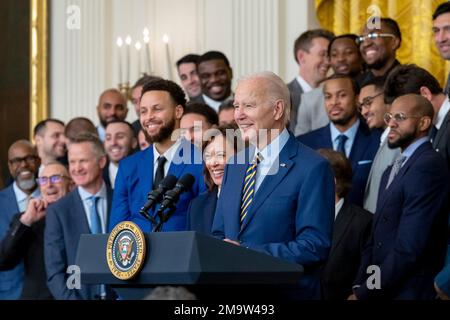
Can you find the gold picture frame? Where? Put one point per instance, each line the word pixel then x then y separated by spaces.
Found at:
pixel 38 62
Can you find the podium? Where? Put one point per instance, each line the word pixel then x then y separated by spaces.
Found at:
pixel 189 259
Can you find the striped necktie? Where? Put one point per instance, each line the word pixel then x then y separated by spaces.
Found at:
pixel 249 187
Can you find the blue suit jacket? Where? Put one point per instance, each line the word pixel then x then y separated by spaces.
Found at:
pixel 201 211
pixel 409 233
pixel 11 281
pixel 135 179
pixel 65 222
pixel 292 213
pixel 363 151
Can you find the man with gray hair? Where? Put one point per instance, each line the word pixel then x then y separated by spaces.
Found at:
pixel 84 210
pixel 285 207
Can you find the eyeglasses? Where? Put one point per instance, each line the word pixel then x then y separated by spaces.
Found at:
pixel 373 36
pixel 57 178
pixel 28 159
pixel 398 117
pixel 367 101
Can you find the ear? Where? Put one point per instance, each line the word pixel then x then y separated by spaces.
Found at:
pixel 102 162
pixel 425 124
pixel 134 143
pixel 426 93
pixel 395 43
pixel 179 110
pixel 300 57
pixel 278 110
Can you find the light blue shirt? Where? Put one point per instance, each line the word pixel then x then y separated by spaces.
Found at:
pixel 101 132
pixel 22 198
pixel 413 147
pixel 270 158
pixel 350 133
pixel 102 204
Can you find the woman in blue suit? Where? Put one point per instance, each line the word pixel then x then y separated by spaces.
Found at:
pixel 217 149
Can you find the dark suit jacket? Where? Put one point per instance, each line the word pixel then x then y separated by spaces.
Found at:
pixel 291 215
pixel 105 174
pixel 409 233
pixel 363 151
pixel 11 281
pixel 351 230
pixel 135 179
pixel 65 222
pixel 442 140
pixel 27 243
pixel 200 214
pixel 296 92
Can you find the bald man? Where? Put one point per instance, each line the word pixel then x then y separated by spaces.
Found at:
pixel 409 235
pixel 23 164
pixel 25 238
pixel 112 105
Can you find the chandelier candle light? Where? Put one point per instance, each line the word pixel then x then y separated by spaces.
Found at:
pixel 169 64
pixel 148 66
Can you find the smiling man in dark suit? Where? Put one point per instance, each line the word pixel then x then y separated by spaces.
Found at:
pixel 409 233
pixel 346 132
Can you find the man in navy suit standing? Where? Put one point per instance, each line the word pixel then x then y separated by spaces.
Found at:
pixel 277 196
pixel 346 132
pixel 409 234
pixel 161 108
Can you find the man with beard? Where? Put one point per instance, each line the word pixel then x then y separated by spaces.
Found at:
pixel 120 142
pixel 25 237
pixel 23 164
pixel 50 141
pixel 346 132
pixel 378 48
pixel 345 57
pixel 162 105
pixel 215 75
pixel 409 233
pixel 112 105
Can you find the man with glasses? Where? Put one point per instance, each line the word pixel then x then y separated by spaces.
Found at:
pixel 378 48
pixel 409 233
pixel 372 107
pixel 23 164
pixel 25 237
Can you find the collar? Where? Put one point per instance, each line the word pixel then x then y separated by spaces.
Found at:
pixel 102 193
pixel 271 152
pixel 413 147
pixel 384 135
pixel 350 133
pixel 214 103
pixel 305 85
pixel 338 207
pixel 169 154
pixel 21 196
pixel 443 110
pixel 101 132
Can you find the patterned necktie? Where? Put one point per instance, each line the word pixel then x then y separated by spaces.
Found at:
pixel 159 176
pixel 249 187
pixel 96 224
pixel 342 138
pixel 396 166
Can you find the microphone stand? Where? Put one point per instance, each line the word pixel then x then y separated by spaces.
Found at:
pixel 164 217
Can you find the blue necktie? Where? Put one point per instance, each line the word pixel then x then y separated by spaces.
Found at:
pixel 96 224
pixel 249 187
pixel 342 138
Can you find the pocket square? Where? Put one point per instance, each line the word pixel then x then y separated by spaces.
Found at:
pixel 364 162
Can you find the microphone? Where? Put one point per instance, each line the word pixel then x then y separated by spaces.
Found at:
pixel 155 196
pixel 172 196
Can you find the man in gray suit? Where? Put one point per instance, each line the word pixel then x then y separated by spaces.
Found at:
pixel 372 107
pixel 311 114
pixel 311 54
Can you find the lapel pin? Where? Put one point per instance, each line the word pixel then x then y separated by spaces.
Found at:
pixel 282 165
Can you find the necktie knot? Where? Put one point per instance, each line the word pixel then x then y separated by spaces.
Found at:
pixel 396 166
pixel 342 138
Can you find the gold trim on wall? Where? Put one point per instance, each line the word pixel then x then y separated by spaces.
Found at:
pixel 38 63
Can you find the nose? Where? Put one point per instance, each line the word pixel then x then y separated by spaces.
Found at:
pixel 439 36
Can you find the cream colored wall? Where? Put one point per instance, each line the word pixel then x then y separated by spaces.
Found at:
pixel 256 35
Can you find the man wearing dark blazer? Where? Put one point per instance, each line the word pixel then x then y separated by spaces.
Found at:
pixel 84 210
pixel 311 54
pixel 277 196
pixel 409 235
pixel 23 164
pixel 25 237
pixel 350 232
pixel 346 132
pixel 162 105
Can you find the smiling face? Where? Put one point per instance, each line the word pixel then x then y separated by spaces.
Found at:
pixel 372 105
pixel 53 191
pixel 345 57
pixel 119 141
pixel 23 164
pixel 112 106
pixel 441 33
pixel 160 115
pixel 51 143
pixel 314 64
pixel 190 80
pixel 215 77
pixel 216 154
